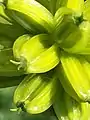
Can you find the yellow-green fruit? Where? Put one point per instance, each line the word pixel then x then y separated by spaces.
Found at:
pixel 86 11
pixel 82 45
pixel 36 93
pixel 31 15
pixel 73 107
pixel 36 54
pixel 77 5
pixel 73 77
pixel 59 105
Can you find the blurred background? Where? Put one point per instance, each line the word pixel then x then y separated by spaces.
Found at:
pixel 6 103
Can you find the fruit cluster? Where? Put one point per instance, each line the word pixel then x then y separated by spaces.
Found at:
pixel 46 44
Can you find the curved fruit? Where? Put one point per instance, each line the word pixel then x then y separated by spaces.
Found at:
pixel 59 15
pixel 73 77
pixel 36 93
pixel 82 45
pixel 43 99
pixel 31 15
pixel 73 107
pixel 19 43
pixel 32 59
pixel 77 5
pixel 45 61
pixel 86 10
pixel 66 28
pixel 85 108
pixel 26 88
pixel 59 105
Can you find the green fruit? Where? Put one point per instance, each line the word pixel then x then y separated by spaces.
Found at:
pixel 73 107
pixel 26 88
pixel 32 59
pixel 31 15
pixel 77 5
pixel 82 45
pixel 86 10
pixel 59 105
pixel 85 108
pixel 18 45
pixel 34 94
pixel 59 16
pixel 43 99
pixel 73 77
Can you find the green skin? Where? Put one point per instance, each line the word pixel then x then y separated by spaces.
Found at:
pixel 73 77
pixel 59 105
pixel 86 11
pixel 36 91
pixel 73 107
pixel 31 15
pixel 85 111
pixel 32 62
pixel 43 98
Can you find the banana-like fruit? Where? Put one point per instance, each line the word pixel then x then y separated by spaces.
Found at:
pixel 59 105
pixel 65 18
pixel 36 55
pixel 73 107
pixel 85 108
pixel 86 10
pixel 73 77
pixel 78 29
pixel 59 15
pixel 45 61
pixel 82 45
pixel 27 87
pixel 76 111
pixel 67 108
pixel 86 66
pixel 18 45
pixel 36 93
pixel 77 5
pixel 31 15
pixel 9 27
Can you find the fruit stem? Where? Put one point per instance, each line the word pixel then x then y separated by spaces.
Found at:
pixel 15 62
